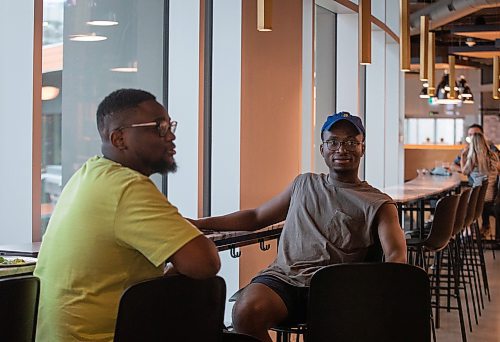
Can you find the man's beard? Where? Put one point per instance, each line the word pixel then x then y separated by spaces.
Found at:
pixel 165 167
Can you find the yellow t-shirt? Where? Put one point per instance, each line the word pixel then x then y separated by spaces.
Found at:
pixel 111 228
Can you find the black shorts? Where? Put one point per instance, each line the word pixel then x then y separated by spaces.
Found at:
pixel 294 297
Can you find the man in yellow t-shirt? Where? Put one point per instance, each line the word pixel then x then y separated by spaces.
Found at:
pixel 112 228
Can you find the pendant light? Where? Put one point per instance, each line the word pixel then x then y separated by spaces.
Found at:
pixel 496 77
pixel 465 93
pixel 424 48
pixel 264 15
pixel 404 43
pixel 365 32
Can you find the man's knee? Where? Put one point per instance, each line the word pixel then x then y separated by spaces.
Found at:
pixel 251 314
pixel 258 308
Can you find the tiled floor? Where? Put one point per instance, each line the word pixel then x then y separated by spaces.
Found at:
pixel 488 329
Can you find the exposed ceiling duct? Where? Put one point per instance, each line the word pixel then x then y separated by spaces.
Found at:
pixel 445 11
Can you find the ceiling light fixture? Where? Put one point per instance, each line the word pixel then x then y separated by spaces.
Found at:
pixel 465 92
pixel 49 93
pixel 431 72
pixel 496 78
pixel 365 32
pixel 470 42
pixel 131 68
pixel 102 23
pixel 443 91
pixel 265 15
pixel 404 44
pixel 87 38
pixel 424 47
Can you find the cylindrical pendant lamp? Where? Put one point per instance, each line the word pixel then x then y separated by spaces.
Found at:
pixel 264 15
pixel 365 31
pixel 404 39
pixel 424 47
pixel 431 90
pixel 451 77
pixel 496 77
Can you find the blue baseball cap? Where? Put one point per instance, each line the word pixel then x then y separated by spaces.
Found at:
pixel 334 118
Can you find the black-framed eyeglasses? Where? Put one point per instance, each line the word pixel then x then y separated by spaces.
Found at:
pixel 349 145
pixel 162 126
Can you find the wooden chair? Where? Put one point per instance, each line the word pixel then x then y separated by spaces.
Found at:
pixel 369 302
pixel 19 308
pixel 172 308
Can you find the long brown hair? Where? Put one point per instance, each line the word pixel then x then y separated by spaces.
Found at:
pixel 481 155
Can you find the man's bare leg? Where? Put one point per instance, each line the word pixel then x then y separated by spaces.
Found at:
pixel 257 310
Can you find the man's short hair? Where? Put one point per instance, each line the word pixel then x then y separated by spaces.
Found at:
pixel 476 126
pixel 117 102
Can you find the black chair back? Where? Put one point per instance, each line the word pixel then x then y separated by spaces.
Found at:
pixel 19 308
pixel 480 200
pixel 461 211
pixel 173 308
pixel 369 302
pixel 442 223
pixel 471 206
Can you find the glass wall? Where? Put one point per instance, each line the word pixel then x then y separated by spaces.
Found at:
pixel 434 131
pixel 107 45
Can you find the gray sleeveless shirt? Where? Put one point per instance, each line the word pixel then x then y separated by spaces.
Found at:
pixel 328 222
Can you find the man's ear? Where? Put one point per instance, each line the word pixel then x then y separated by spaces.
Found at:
pixel 363 149
pixel 116 138
pixel 321 148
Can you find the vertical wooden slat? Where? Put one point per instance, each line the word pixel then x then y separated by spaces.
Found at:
pixel 431 90
pixel 365 31
pixel 424 48
pixel 451 77
pixel 404 42
pixel 265 15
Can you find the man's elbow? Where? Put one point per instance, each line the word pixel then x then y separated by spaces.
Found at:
pixel 207 268
pixel 212 267
pixel 399 257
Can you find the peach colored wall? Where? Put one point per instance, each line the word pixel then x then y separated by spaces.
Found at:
pixel 270 113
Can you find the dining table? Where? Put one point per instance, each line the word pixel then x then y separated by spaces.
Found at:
pixel 224 240
pixel 412 196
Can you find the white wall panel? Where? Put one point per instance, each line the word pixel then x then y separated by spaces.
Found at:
pixel 16 115
pixel 183 85
pixel 226 114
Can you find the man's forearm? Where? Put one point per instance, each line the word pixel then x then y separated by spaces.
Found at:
pixel 240 220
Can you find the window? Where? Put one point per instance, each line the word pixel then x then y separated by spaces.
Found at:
pixel 434 131
pixel 107 45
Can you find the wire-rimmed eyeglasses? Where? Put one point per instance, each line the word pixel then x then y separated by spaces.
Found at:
pixel 162 126
pixel 349 145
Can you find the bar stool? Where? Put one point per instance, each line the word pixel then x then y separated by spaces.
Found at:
pixel 440 233
pixel 468 250
pixel 452 258
pixel 479 239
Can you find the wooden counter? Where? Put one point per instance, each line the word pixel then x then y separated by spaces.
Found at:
pixel 426 156
pixel 422 187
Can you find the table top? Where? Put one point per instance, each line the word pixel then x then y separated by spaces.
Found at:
pixel 223 240
pixel 10 271
pixel 422 186
pixel 22 249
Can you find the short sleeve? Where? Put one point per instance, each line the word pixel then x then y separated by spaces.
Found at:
pixel 148 223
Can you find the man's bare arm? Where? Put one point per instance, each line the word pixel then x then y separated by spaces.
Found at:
pixel 198 259
pixel 390 234
pixel 272 211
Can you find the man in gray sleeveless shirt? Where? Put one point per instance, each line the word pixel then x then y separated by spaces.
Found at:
pixel 329 219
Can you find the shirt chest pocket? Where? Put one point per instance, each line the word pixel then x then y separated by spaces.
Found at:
pixel 346 232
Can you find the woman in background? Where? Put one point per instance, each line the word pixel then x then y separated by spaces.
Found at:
pixel 480 163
